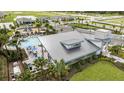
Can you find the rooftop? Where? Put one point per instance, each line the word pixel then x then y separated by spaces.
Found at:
pixel 58 52
pixel 28 17
pixel 7 25
pixel 71 41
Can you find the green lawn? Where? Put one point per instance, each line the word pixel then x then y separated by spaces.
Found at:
pixel 99 71
pixel 13 14
pixel 116 21
pixel 84 26
pixel 103 15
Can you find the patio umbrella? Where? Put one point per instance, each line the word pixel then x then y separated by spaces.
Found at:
pixel 34 48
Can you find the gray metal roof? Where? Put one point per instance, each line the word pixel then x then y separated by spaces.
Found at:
pixel 71 41
pixel 96 42
pixel 58 52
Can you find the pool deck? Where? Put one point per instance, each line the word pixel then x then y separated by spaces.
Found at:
pixel 31 56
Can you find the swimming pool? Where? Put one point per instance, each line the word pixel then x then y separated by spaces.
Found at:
pixel 30 41
pixel 31 46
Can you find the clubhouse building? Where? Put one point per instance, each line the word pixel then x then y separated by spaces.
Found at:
pixel 70 46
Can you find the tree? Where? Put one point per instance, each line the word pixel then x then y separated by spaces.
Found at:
pixel 40 62
pixel 41 68
pixel 73 27
pixel 16 42
pixel 3 40
pixel 47 71
pixel 17 34
pixel 25 76
pixel 47 30
pixel 115 50
pixel 38 25
pixel 5 29
pixel 61 70
pixel 12 27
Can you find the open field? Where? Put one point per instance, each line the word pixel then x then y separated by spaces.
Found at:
pixel 116 21
pixel 12 15
pixel 102 14
pixel 100 71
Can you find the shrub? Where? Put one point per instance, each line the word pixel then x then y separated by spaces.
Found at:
pixel 14 56
pixel 82 62
pixel 105 59
pixel 77 66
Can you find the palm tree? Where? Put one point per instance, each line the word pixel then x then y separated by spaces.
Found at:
pixel 73 27
pixel 41 67
pixel 61 70
pixel 17 34
pixel 18 42
pixel 46 71
pixel 4 40
pixel 40 62
pixel 12 27
pixel 38 25
pixel 49 71
pixel 5 29
pixel 115 50
pixel 47 30
pixel 14 43
pixel 25 76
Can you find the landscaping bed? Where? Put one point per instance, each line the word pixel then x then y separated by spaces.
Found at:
pixel 117 51
pixel 14 56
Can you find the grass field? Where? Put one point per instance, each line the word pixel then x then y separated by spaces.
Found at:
pixel 84 26
pixel 103 15
pixel 3 68
pixel 99 71
pixel 11 15
pixel 116 21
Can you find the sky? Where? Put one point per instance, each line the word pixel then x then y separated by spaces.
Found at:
pixel 63 5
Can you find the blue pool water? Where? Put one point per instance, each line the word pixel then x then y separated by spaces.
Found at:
pixel 31 41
